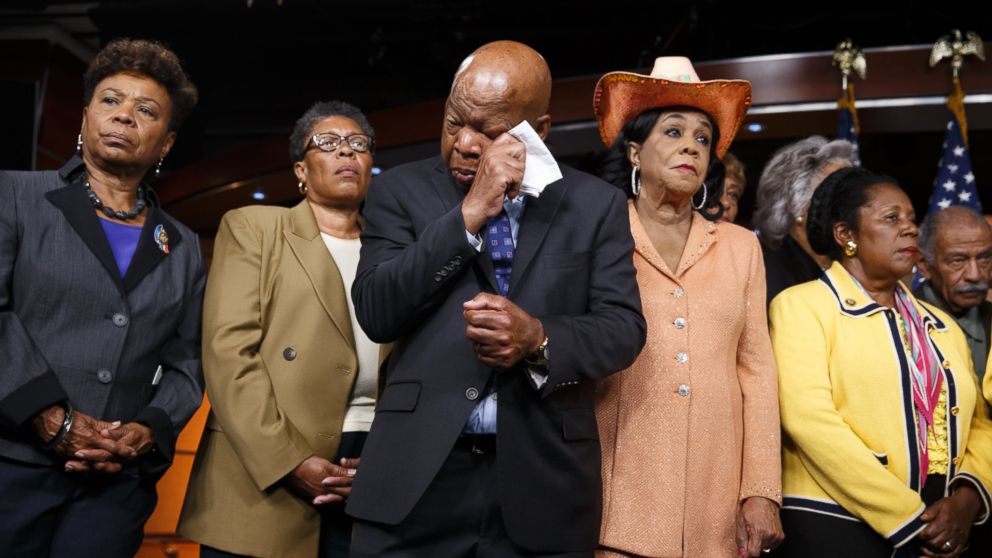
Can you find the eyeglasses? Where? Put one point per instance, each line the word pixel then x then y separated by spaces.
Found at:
pixel 328 142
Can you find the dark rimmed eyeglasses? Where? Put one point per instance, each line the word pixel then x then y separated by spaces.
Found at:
pixel 328 142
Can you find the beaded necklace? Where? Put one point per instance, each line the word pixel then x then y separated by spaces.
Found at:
pixel 139 205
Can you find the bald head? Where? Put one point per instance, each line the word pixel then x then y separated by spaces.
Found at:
pixel 506 71
pixel 498 86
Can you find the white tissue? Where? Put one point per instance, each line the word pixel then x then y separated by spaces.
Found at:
pixel 541 168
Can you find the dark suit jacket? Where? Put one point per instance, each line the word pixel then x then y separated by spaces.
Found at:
pixel 572 269
pixel 72 328
pixel 786 266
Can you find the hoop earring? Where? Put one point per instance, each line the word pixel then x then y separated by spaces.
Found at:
pixel 302 188
pixel 703 203
pixel 79 142
pixel 635 181
pixel 158 167
pixel 850 248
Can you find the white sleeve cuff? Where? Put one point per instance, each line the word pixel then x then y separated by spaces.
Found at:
pixel 474 240
pixel 537 377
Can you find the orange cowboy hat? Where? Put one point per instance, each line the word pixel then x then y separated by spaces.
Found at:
pixel 621 96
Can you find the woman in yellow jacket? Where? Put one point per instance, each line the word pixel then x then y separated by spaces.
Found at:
pixel 887 450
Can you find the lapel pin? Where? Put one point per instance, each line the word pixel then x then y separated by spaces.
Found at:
pixel 162 238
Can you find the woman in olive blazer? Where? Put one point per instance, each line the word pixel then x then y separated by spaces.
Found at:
pixel 285 364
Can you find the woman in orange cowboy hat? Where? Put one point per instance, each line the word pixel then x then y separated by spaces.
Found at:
pixel 690 432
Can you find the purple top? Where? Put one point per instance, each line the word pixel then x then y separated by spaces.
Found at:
pixel 123 241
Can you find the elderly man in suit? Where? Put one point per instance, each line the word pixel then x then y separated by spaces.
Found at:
pixel 956 247
pixel 504 309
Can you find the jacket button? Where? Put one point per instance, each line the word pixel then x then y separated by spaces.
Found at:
pixel 682 358
pixel 289 353
pixel 471 394
pixel 678 293
pixel 679 323
pixel 956 461
pixel 849 301
pixel 955 411
pixel 946 364
pixel 120 320
pixel 684 390
pixel 104 376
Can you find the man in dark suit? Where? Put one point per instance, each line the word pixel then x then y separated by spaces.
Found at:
pixel 504 310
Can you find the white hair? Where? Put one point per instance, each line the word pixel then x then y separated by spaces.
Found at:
pixel 788 180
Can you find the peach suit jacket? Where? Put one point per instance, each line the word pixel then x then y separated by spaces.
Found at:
pixel 692 428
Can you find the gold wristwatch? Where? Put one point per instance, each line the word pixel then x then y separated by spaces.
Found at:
pixel 540 356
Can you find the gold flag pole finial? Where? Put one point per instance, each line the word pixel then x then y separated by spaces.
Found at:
pixel 956 47
pixel 848 58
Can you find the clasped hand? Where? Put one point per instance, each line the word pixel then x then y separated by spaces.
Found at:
pixel 949 523
pixel 502 332
pixel 94 445
pixel 321 481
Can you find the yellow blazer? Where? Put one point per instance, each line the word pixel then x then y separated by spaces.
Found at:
pixel 988 380
pixel 850 447
pixel 279 361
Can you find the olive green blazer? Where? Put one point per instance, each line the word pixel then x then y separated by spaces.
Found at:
pixel 279 361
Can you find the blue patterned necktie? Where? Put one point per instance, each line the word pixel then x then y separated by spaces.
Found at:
pixel 499 241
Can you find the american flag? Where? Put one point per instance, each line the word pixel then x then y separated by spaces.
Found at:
pixel 847 121
pixel 955 183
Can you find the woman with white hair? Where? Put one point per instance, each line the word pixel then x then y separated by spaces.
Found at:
pixel 784 190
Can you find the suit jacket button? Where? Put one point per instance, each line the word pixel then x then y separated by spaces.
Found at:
pixel 120 320
pixel 471 394
pixel 104 376
pixel 955 411
pixel 289 353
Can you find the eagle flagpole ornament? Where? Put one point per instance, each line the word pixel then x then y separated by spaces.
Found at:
pixel 955 183
pixel 848 58
pixel 956 47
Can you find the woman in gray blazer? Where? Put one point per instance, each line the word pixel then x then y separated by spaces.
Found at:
pixel 100 300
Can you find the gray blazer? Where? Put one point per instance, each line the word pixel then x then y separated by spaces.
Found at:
pixel 72 328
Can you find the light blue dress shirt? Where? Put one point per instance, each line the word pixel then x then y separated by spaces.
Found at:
pixel 483 417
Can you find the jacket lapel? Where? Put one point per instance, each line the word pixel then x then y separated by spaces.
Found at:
pixel 78 211
pixel 157 236
pixel 534 226
pixel 304 240
pixel 702 235
pixel 451 195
